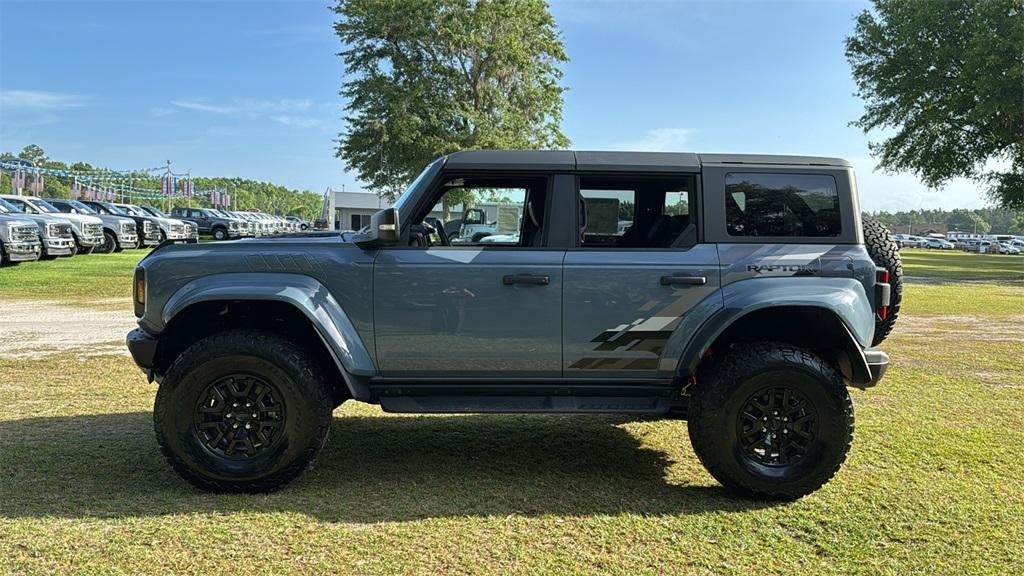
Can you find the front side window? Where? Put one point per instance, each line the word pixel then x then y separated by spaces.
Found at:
pixel 804 205
pixel 490 211
pixel 635 212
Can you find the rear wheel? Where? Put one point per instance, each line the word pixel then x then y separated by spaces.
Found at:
pixel 242 411
pixel 885 252
pixel 770 420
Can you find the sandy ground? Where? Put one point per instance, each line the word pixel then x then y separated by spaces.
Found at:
pixel 35 329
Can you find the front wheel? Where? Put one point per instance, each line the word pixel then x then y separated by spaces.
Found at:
pixel 242 411
pixel 770 420
pixel 220 234
pixel 109 243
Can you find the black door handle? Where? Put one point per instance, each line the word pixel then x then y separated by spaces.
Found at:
pixel 534 279
pixel 683 280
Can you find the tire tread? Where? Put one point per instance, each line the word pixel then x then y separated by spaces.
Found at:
pixel 311 376
pixel 717 382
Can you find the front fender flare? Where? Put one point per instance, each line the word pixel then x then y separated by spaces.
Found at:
pixel 306 294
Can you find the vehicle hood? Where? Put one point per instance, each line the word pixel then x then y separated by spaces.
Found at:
pixel 80 218
pixel 16 220
pixel 111 219
pixel 166 222
pixel 44 219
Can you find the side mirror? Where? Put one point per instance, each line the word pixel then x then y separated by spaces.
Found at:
pixel 384 230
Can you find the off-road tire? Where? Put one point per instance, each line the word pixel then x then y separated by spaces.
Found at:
pixel 296 376
pixel 885 252
pixel 220 233
pixel 724 389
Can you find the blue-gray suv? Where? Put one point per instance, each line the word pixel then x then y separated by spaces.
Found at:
pixel 740 292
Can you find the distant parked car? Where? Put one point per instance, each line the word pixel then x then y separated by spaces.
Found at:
pixel 1007 248
pixel 55 233
pixel 86 230
pixel 911 241
pixel 211 222
pixel 172 228
pixel 299 222
pixel 19 240
pixel 938 244
pixel 118 230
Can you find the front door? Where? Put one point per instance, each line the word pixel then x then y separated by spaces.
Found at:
pixel 635 276
pixel 489 306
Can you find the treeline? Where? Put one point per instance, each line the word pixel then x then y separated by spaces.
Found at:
pixel 245 194
pixel 982 220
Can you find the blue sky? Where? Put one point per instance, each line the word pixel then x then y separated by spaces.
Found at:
pixel 250 89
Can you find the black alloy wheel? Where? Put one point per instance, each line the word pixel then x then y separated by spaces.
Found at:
pixel 776 426
pixel 239 416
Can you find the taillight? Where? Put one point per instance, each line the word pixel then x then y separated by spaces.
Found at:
pixel 882 293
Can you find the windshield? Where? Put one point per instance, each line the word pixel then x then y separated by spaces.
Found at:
pixel 116 210
pixel 43 205
pixel 8 208
pixel 133 210
pixel 424 176
pixel 154 212
pixel 80 207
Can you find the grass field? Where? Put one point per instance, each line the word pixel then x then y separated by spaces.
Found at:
pixel 932 484
pixel 957 265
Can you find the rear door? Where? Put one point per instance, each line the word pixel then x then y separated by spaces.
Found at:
pixel 637 272
pixel 489 307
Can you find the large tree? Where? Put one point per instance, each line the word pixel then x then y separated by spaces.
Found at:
pixel 945 82
pixel 428 77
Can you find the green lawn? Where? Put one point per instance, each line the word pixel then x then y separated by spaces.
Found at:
pixel 932 484
pixel 957 265
pixel 76 279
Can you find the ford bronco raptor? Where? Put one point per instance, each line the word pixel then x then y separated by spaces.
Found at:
pixel 740 292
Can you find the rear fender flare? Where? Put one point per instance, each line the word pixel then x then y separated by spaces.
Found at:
pixel 843 297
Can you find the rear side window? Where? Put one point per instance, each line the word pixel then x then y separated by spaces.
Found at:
pixel 805 205
pixel 635 212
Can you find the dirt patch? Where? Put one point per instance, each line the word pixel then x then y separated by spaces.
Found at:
pixel 35 329
pixel 1005 329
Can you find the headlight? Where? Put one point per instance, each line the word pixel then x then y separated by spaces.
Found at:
pixel 147 226
pixel 52 230
pixel 234 224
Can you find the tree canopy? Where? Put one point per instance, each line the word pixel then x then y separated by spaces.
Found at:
pixel 428 77
pixel 988 220
pixel 946 80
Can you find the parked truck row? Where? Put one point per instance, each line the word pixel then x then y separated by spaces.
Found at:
pixel 33 228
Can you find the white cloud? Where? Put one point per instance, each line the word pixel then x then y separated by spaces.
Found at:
pixel 660 140
pixel 298 121
pixel 39 100
pixel 245 106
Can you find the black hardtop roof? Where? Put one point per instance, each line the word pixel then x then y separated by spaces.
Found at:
pixel 596 161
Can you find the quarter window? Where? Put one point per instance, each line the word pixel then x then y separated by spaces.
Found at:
pixel 781 205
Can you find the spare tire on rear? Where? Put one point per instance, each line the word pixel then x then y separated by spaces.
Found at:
pixel 885 252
